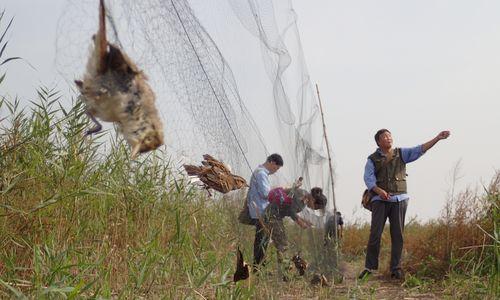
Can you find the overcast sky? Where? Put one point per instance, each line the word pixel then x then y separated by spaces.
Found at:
pixel 414 67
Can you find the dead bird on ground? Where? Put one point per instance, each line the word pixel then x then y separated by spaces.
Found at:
pixel 242 269
pixel 300 264
pixel 319 279
pixel 115 90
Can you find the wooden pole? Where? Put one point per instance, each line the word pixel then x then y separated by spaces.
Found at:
pixel 336 242
pixel 327 150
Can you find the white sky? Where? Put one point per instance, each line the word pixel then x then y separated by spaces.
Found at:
pixel 414 67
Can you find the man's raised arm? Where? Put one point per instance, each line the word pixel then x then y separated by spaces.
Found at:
pixel 441 136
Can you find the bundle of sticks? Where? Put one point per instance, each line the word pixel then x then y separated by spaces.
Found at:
pixel 216 175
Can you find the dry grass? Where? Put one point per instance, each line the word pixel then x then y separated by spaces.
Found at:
pixel 459 251
pixel 79 223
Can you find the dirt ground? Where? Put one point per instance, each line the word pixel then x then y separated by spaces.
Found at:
pixel 377 286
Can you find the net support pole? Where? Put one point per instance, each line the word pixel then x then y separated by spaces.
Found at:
pixel 329 161
pixel 327 150
pixel 328 251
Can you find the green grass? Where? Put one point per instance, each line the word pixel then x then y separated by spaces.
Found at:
pixel 75 221
pixel 4 43
pixel 79 219
pixel 80 222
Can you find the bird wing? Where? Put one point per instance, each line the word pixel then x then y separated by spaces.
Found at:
pixel 239 259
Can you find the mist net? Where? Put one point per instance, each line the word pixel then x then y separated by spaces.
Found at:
pixel 230 80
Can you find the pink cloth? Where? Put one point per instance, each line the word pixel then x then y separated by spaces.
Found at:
pixel 279 196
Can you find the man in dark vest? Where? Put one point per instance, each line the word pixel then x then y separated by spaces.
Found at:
pixel 385 178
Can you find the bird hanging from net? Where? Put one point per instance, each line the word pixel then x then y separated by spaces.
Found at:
pixel 216 175
pixel 115 90
pixel 300 264
pixel 242 269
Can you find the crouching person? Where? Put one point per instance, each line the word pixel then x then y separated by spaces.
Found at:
pixel 287 203
pixel 334 228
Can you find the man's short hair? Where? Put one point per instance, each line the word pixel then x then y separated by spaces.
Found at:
pixel 275 158
pixel 379 133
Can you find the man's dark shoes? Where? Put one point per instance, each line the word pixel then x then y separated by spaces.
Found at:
pixel 364 274
pixel 397 274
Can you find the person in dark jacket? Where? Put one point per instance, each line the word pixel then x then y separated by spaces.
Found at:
pixel 334 228
pixel 385 178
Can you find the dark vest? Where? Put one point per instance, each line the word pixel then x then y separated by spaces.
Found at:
pixel 391 176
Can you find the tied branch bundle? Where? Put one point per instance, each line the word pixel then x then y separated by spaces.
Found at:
pixel 216 175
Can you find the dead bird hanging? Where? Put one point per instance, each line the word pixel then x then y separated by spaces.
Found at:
pixel 242 269
pixel 300 264
pixel 214 174
pixel 115 90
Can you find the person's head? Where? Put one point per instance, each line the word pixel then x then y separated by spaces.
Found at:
pixel 273 163
pixel 383 138
pixel 315 199
pixel 338 213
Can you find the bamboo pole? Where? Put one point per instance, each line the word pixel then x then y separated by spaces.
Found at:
pixel 327 150
pixel 336 242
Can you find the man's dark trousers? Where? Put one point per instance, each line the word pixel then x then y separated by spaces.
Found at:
pixel 260 244
pixel 381 210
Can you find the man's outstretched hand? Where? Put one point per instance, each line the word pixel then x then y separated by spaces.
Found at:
pixel 443 135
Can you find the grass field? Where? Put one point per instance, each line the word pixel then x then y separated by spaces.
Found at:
pixel 78 219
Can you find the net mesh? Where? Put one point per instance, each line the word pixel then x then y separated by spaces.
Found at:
pixel 230 79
